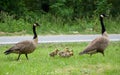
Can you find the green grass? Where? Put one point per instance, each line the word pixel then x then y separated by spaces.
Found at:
pixel 40 63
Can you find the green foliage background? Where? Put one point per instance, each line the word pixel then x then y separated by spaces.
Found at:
pixel 58 16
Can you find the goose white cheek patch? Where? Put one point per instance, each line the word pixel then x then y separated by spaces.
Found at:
pixel 34 24
pixel 101 15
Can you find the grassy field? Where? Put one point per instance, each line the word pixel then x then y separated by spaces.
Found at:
pixel 40 63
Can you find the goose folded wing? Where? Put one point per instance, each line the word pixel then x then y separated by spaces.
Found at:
pixel 21 45
pixel 94 45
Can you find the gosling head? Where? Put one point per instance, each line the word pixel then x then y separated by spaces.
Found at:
pixel 71 52
pixel 56 50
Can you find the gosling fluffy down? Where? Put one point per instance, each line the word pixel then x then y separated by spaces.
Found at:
pixel 54 53
pixel 66 53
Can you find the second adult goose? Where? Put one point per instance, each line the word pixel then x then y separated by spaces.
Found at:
pixel 99 44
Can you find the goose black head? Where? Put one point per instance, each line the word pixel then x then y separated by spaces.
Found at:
pixel 103 15
pixel 36 24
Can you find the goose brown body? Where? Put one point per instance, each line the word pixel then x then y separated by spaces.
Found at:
pixel 24 47
pixel 99 44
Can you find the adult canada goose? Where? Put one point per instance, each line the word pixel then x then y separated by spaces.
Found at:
pixel 99 44
pixel 25 47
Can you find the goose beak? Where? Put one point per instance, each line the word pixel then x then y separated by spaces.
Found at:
pixel 38 24
pixel 106 15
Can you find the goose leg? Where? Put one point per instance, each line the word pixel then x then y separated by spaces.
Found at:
pixel 103 53
pixel 26 56
pixel 18 57
pixel 91 55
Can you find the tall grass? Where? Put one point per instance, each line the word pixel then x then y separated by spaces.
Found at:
pixel 40 63
pixel 55 25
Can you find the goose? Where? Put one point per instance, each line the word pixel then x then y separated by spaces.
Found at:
pixel 25 47
pixel 99 44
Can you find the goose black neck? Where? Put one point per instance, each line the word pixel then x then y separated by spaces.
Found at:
pixel 34 32
pixel 102 25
